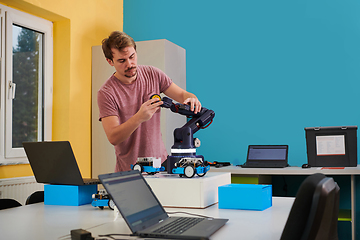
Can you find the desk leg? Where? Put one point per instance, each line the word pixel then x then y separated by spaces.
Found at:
pixel 353 210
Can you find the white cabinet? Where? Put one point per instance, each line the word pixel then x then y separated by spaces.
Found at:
pixel 163 54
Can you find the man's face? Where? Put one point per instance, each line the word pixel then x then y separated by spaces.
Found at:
pixel 125 63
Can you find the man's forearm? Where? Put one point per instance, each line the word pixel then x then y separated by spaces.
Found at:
pixel 187 95
pixel 118 133
pixel 121 132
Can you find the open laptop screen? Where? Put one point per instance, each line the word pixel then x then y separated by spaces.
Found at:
pixel 267 153
pixel 272 154
pixel 133 198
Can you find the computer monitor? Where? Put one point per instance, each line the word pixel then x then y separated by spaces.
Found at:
pixel 332 146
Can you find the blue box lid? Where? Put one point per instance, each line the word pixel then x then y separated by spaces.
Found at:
pixel 247 186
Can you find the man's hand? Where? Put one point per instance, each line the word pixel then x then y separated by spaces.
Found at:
pixel 178 94
pixel 148 109
pixel 194 103
pixel 117 133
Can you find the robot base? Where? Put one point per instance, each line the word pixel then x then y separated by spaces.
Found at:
pixel 171 160
pixel 190 171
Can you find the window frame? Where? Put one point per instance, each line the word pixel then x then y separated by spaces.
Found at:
pixel 9 17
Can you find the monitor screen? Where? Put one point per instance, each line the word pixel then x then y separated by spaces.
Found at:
pixel 133 198
pixel 267 153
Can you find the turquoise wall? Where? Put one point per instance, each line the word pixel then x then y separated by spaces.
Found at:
pixel 268 68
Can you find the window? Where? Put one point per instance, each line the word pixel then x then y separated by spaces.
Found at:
pixel 26 82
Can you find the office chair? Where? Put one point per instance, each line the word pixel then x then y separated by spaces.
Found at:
pixel 8 203
pixel 35 197
pixel 315 211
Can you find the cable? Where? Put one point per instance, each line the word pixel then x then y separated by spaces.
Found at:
pixel 198 215
pixel 114 234
pixel 128 235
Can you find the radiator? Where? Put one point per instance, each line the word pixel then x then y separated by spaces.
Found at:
pixel 19 188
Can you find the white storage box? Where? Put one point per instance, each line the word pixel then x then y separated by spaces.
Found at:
pixel 197 192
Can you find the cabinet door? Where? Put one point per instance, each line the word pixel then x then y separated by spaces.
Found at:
pixel 102 151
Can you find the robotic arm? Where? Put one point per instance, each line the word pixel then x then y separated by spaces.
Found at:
pixel 183 137
pixel 183 159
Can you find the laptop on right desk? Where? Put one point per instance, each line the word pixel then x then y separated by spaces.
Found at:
pixel 267 156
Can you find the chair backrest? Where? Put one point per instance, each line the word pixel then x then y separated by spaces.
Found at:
pixel 8 203
pixel 314 213
pixel 324 212
pixel 35 197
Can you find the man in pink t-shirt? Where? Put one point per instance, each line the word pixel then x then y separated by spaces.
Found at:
pixel 131 119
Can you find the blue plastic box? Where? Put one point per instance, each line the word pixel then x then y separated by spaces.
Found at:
pixel 68 195
pixel 245 196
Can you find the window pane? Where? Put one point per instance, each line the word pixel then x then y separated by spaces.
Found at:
pixel 27 75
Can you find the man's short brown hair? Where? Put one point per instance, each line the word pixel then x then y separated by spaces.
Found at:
pixel 117 40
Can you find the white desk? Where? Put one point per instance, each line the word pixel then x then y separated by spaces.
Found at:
pixel 353 172
pixel 287 171
pixel 39 221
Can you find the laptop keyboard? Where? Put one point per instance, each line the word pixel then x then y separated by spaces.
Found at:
pixel 179 225
pixel 90 181
pixel 263 165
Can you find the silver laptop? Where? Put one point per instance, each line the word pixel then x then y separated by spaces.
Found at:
pixel 145 215
pixel 267 156
pixel 54 162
